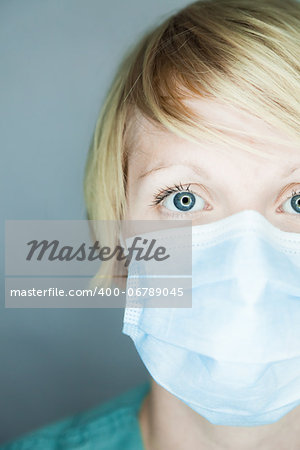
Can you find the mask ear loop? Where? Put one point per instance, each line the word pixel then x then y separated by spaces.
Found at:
pixel 123 270
pixel 123 243
pixel 132 310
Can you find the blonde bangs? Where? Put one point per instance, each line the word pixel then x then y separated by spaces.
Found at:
pixel 243 53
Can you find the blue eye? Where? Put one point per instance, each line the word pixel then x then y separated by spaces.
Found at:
pixel 183 201
pixel 292 205
pixel 295 203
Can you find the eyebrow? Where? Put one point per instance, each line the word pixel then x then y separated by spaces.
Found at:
pixel 198 170
pixel 290 171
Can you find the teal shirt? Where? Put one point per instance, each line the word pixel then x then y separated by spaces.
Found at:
pixel 111 426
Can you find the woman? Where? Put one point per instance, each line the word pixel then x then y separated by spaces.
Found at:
pixel 202 123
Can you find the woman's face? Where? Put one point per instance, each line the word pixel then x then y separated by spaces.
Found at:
pixel 217 181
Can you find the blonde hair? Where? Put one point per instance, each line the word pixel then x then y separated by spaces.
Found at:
pixel 244 53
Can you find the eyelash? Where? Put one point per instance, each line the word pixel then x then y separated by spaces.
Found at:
pixel 160 195
pixel 293 194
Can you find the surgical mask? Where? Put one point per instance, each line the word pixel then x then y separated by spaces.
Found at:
pixel 234 356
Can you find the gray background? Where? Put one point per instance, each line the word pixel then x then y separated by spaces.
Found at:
pixel 57 60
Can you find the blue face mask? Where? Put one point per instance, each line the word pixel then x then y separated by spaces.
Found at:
pixel 234 356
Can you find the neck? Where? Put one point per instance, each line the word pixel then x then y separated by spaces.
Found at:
pixel 167 423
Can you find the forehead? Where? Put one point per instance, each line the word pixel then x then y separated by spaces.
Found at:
pixel 150 140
